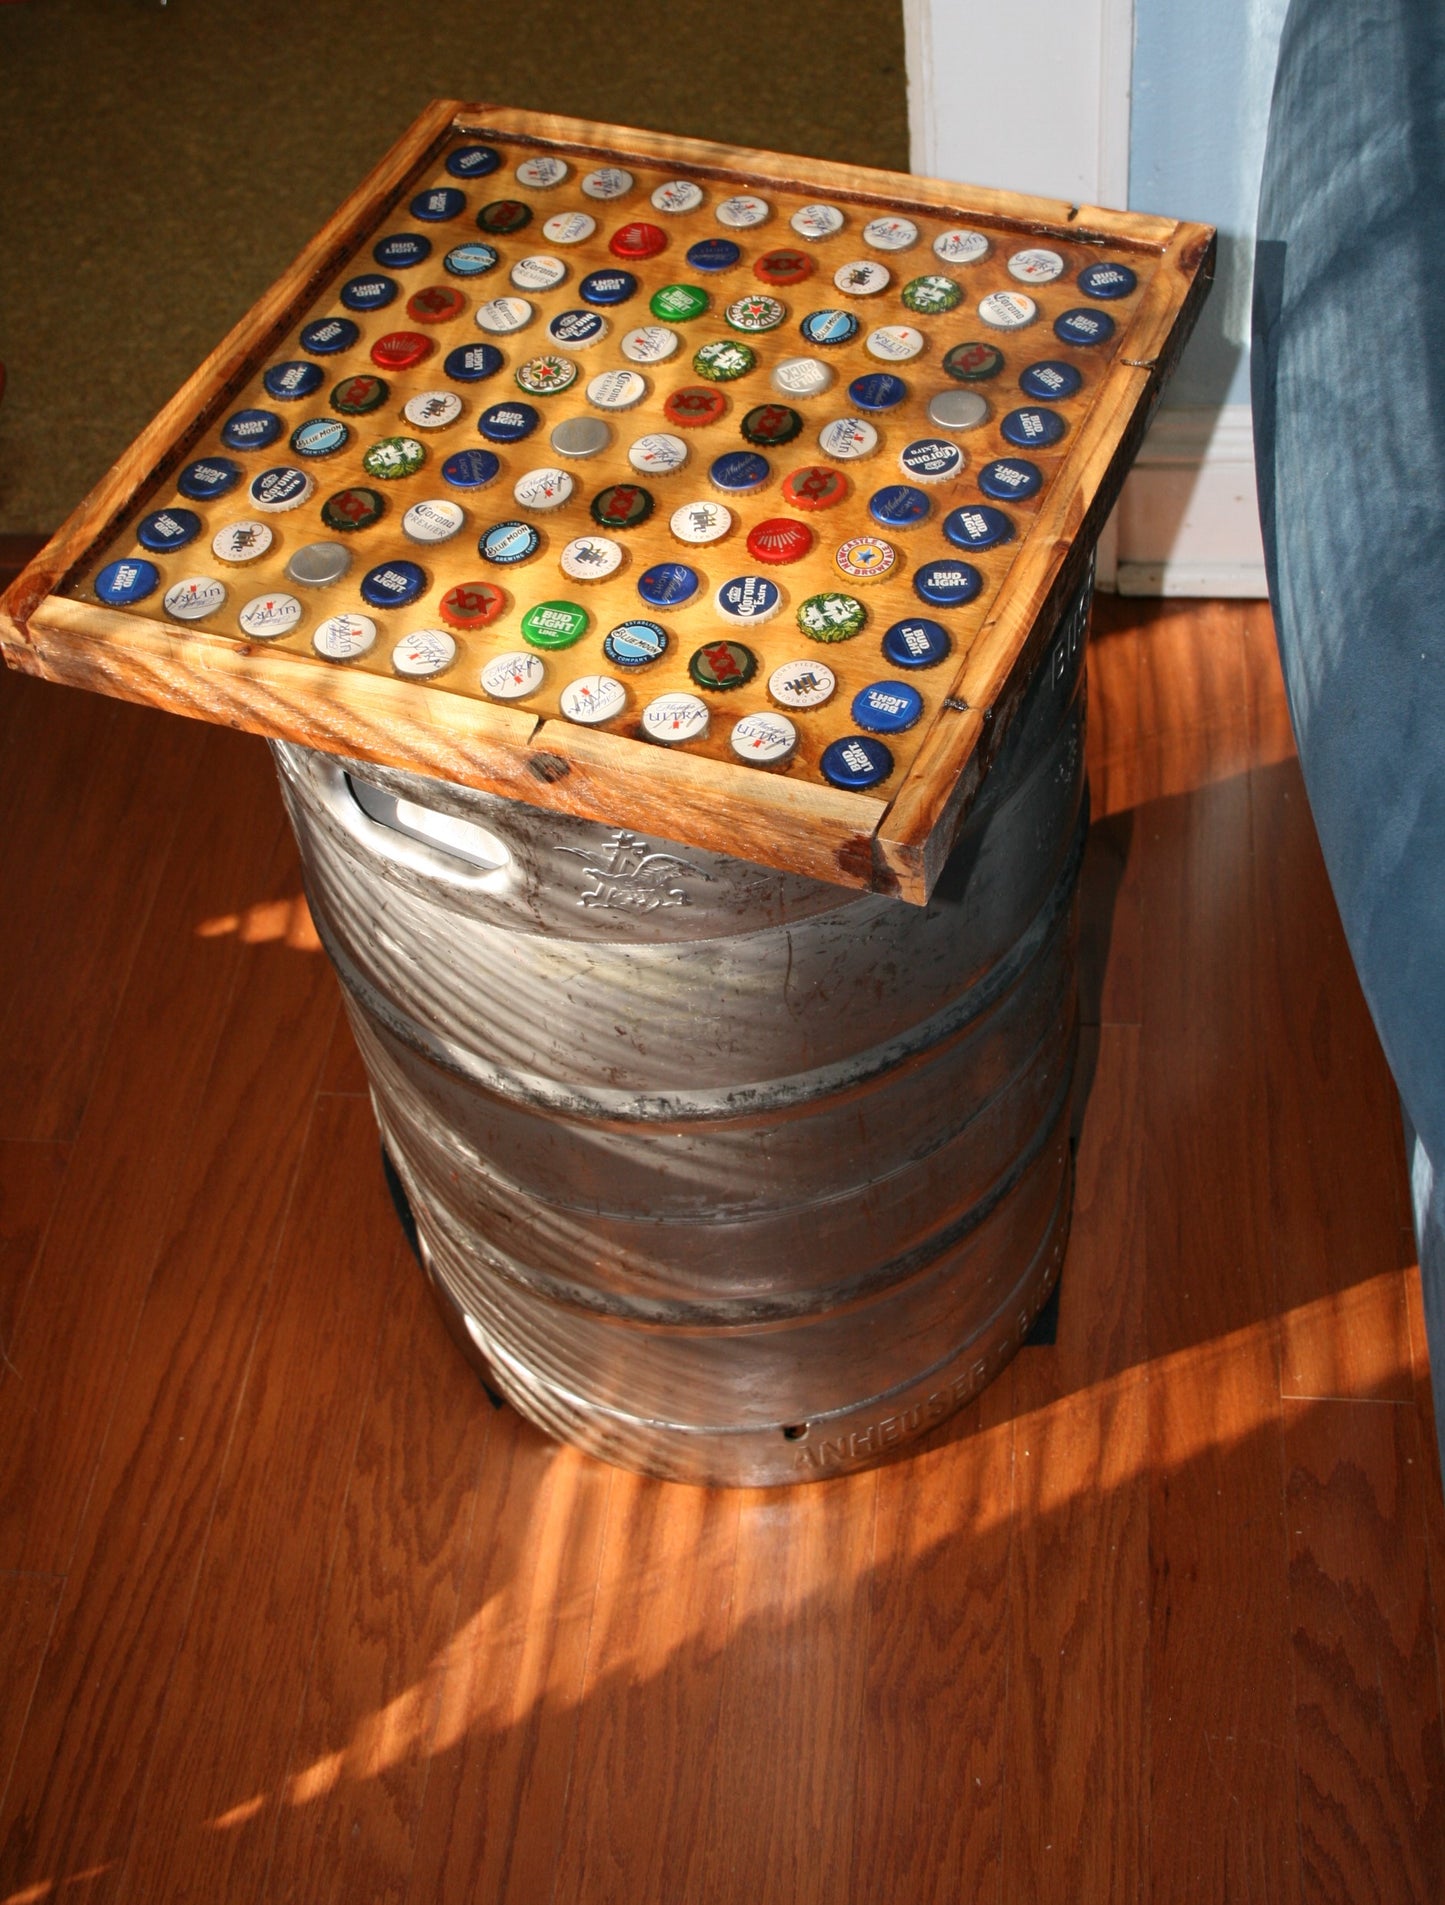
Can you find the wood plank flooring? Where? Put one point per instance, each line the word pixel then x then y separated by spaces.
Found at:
pixel 288 1612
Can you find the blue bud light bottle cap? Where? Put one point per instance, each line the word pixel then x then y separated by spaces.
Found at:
pixel 947 585
pixel 887 707
pixel 325 337
pixel 1032 428
pixel 508 422
pixel 288 381
pixel 1107 281
pixel 131 579
pixel 438 203
pixel 470 363
pixel 1084 327
pixel 1050 381
pixel 977 526
pixel 473 162
pixel 250 429
pixel 856 762
pixel 167 529
pixel 607 287
pixel 916 642
pixel 369 293
pixel 1010 479
pixel 402 250
pixel 392 585
pixel 208 477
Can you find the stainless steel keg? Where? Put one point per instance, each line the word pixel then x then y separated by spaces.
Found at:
pixel 721 1173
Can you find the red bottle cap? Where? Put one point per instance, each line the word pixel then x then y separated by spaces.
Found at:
pixel 638 240
pixel 399 350
pixel 472 604
pixel 437 304
pixel 779 539
pixel 815 488
pixel 786 265
pixel 694 405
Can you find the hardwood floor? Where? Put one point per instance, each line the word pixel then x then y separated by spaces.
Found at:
pixel 288 1612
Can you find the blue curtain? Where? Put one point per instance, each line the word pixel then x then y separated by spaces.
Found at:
pixel 1348 374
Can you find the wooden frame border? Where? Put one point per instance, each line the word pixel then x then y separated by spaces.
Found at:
pixel 896 846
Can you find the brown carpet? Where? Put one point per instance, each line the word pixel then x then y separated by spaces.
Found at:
pixel 164 163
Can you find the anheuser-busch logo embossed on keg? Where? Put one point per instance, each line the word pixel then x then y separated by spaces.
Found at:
pixel 629 875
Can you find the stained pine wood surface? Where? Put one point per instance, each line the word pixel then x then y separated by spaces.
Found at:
pixel 288 1612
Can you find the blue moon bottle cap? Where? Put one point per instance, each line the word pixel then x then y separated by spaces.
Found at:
pixel 392 585
pixel 401 250
pixel 668 585
pixel 634 644
pixel 250 429
pixel 1032 428
pixel 830 327
pixel 877 390
pixel 977 526
pixel 320 436
pixel 899 506
pixel 372 292
pixel 473 162
pixel 167 529
pixel 470 363
pixel 208 477
pixel 1083 326
pixel 887 707
pixel 472 259
pixel 947 585
pixel 438 203
pixel 294 379
pixel 131 579
pixel 856 761
pixel 471 469
pixel 508 422
pixel 1107 281
pixel 916 642
pixel 506 543
pixel 1010 479
pixel 1050 381
pixel 325 337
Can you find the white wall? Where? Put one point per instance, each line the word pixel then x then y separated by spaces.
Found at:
pixel 1162 106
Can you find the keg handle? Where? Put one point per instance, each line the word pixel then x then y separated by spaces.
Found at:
pixel 439 846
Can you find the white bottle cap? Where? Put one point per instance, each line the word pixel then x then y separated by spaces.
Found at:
pixel 617 389
pixel 344 637
pixel 673 718
pixel 501 316
pixel 894 343
pixel 194 597
pixel 1007 310
pixel 569 228
pixel 543 489
pixel 539 272
pixel 802 684
pixel 424 653
pixel 434 519
pixel 763 740
pixel 593 698
pixel 701 522
pixel 890 234
pixel 862 278
pixel 609 181
pixel 678 195
pixel 657 455
pixel 650 344
pixel 742 211
pixel 541 173
pixel 514 676
pixel 961 246
pixel 242 542
pixel 591 558
pixel 801 377
pixel 816 221
pixel 848 437
pixel 1035 266
pixel 267 616
pixel 432 409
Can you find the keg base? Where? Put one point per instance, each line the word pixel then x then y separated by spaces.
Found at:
pixel 782 1454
